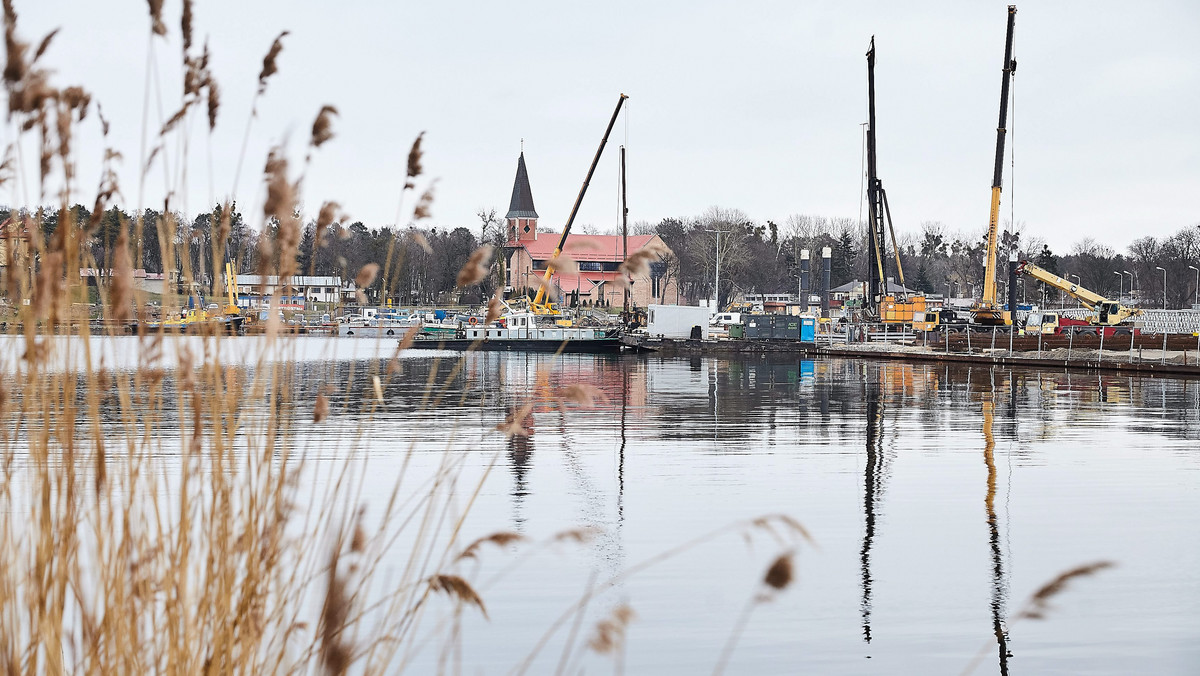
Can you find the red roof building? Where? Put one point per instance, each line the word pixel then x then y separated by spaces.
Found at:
pixel 598 258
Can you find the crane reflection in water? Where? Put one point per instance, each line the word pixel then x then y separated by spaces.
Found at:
pixel 999 587
pixel 872 490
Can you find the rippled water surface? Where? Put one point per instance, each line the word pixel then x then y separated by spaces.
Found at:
pixel 939 499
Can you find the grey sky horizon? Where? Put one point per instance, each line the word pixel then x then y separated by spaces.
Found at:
pixel 755 106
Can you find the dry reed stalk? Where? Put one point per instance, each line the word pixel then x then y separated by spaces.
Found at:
pixel 122 279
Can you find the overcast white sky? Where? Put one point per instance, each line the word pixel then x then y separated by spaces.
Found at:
pixel 753 105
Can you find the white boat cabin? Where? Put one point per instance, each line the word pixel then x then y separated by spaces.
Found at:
pixel 524 326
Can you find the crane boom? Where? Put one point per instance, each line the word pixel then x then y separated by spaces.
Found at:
pixel 537 305
pixel 1108 312
pixel 987 311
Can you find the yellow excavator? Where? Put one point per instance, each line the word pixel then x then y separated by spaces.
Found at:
pixel 1106 312
pixel 541 304
pixel 988 310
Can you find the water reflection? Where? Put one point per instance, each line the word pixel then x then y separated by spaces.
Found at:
pixel 679 446
pixel 999 591
pixel 872 491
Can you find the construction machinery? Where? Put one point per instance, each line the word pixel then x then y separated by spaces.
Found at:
pixel 988 310
pixel 1105 312
pixel 541 304
pixel 881 303
pixel 231 307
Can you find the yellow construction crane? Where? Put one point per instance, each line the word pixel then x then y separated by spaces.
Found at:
pixel 1107 312
pixel 988 310
pixel 541 303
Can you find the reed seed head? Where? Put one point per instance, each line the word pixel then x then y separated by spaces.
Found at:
pixel 44 45
pixel 519 422
pixel 269 67
pixel 185 24
pixel 779 575
pixel 214 102
pixel 414 161
pixel 476 268
pixel 366 275
pixel 1039 604
pixel 325 218
pixel 321 407
pixel 610 632
pixel 495 308
pixel 424 204
pixel 459 589
pixel 157 25
pixel 500 539
pixel 421 240
pixel 582 394
pixel 322 128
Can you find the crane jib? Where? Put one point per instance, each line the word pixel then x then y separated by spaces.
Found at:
pixel 562 240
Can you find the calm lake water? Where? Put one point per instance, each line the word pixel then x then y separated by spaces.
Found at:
pixel 939 498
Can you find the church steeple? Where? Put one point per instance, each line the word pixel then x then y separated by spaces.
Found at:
pixel 521 216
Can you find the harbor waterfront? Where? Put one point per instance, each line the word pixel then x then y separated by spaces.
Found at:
pixel 939 497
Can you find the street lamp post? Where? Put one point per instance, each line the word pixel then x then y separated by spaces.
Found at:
pixel 1131 285
pixel 1120 287
pixel 1164 271
pixel 1193 267
pixel 717 283
pixel 1077 285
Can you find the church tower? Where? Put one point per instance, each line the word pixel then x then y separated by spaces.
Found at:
pixel 521 216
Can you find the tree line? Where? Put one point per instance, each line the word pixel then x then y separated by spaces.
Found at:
pixel 764 257
pixel 755 257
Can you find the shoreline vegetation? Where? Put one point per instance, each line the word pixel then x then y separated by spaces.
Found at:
pixel 225 560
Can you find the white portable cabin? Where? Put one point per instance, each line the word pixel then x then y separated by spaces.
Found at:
pixel 676 321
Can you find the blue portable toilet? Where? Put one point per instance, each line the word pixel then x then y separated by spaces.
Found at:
pixel 807 370
pixel 808 329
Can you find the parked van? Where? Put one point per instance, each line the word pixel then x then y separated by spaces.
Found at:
pixel 725 319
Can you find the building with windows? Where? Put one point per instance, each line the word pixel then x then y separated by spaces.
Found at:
pixel 599 258
pixel 256 290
